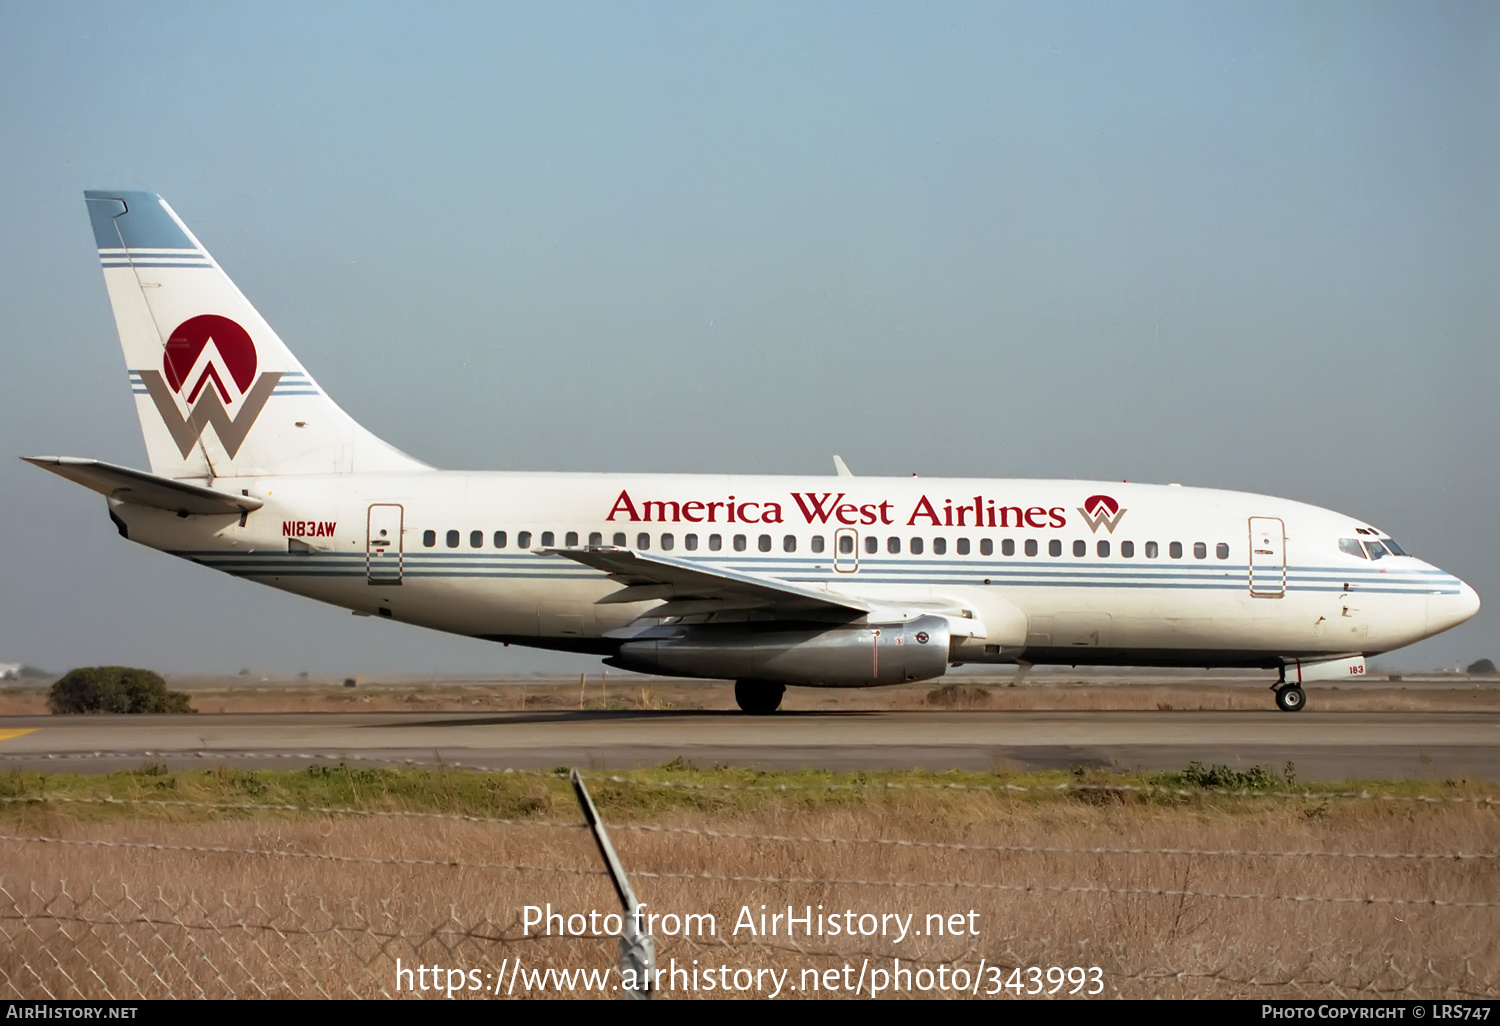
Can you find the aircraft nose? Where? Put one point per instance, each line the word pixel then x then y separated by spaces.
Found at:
pixel 1446 611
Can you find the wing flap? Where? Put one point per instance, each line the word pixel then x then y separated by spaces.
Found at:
pixel 143 489
pixel 685 583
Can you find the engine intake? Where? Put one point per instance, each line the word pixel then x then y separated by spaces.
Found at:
pixel 845 655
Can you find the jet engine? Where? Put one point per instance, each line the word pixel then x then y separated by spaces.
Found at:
pixel 842 655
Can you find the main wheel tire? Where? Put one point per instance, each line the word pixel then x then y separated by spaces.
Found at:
pixel 1291 698
pixel 758 697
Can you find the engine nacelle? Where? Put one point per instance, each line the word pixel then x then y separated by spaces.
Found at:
pixel 843 655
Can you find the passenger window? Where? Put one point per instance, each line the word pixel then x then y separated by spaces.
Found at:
pixel 1008 547
pixel 789 543
pixel 595 538
pixel 548 539
pixel 1054 547
pixel 1377 550
pixel 523 539
pixel 1222 550
pixel 986 546
pixel 690 542
pixel 1175 550
pixel 429 538
pixel 1080 548
pixel 476 539
pixel 939 546
pixel 1151 550
pixel 1200 550
pixel 715 542
pixel 1030 546
pixel 570 539
pixel 915 546
pixel 872 544
pixel 1352 547
pixel 893 545
pixel 739 543
pixel 643 541
pixel 667 541
pixel 620 539
pixel 499 539
pixel 963 546
pixel 1103 548
pixel 1127 550
pixel 846 544
pixel 452 539
pixel 817 543
pixel 764 543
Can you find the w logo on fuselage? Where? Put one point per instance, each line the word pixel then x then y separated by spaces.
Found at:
pixel 1101 511
pixel 210 361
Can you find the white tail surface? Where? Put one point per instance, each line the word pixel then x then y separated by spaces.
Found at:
pixel 218 392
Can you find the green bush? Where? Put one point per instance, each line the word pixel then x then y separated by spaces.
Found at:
pixel 1482 666
pixel 114 689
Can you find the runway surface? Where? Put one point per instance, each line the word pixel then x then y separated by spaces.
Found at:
pixel 1323 745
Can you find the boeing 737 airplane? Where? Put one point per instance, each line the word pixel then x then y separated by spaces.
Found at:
pixel 838 581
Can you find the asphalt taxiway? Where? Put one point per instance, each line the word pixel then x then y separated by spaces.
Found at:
pixel 1327 745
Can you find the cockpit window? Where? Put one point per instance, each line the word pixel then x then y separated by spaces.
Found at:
pixel 1396 550
pixel 1377 550
pixel 1351 547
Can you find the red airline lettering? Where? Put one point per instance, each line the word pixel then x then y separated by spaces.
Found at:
pixel 661 510
pixel 924 509
pixel 820 507
pixel 817 508
pixel 623 505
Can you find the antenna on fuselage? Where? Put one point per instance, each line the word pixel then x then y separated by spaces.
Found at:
pixel 841 468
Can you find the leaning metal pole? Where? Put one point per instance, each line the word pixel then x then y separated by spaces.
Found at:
pixel 637 952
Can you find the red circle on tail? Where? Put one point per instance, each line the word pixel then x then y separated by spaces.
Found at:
pixel 188 340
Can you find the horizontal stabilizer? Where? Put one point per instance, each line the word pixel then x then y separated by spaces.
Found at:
pixel 145 489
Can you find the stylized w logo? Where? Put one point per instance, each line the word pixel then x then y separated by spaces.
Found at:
pixel 209 411
pixel 1101 511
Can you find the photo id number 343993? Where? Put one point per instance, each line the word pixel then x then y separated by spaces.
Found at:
pixel 1051 980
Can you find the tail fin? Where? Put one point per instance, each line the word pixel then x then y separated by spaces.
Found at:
pixel 218 393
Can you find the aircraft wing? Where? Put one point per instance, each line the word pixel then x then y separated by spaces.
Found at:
pixel 145 489
pixel 690 587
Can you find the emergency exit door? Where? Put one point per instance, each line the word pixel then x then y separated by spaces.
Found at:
pixel 383 545
pixel 1267 557
pixel 846 550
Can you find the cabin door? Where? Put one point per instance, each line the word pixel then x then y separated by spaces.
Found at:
pixel 383 545
pixel 1267 557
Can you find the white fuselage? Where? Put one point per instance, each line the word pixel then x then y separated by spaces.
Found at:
pixel 1161 575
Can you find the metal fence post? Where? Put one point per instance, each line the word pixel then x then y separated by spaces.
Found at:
pixel 637 952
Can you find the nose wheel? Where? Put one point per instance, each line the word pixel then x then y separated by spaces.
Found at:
pixel 1290 698
pixel 758 697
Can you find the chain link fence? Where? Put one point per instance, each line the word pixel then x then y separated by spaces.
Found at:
pixel 319 901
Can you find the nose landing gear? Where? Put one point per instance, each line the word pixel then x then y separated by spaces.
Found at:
pixel 1290 698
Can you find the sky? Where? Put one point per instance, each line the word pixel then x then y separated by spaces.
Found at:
pixel 1240 245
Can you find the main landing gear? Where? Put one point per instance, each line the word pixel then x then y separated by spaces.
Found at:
pixel 758 697
pixel 1290 697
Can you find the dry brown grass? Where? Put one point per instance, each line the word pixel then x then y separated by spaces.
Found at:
pixel 242 924
pixel 1052 691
